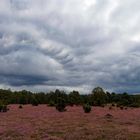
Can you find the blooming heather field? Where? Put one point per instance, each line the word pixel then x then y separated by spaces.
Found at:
pixel 46 123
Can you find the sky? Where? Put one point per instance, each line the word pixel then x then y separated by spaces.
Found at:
pixel 70 45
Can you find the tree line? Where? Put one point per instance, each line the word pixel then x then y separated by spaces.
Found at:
pixel 98 97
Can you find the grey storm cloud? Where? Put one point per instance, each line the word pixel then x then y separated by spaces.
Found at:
pixel 48 44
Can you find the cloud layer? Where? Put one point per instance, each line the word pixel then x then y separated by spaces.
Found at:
pixel 48 44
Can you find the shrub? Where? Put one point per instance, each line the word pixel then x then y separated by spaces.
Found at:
pixel 51 103
pixel 60 106
pixel 110 108
pixel 102 105
pixel 71 104
pixel 34 101
pixel 108 115
pixel 3 108
pixel 118 105
pixel 121 107
pixel 20 107
pixel 113 104
pixel 135 105
pixel 86 108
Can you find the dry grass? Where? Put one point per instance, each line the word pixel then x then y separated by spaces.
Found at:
pixel 46 123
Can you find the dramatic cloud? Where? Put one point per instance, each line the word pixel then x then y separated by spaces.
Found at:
pixel 74 44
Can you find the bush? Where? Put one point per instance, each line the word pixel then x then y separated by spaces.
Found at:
pixel 60 106
pixel 3 108
pixel 20 107
pixel 86 108
pixel 121 107
pixel 51 103
pixel 102 105
pixel 109 116
pixel 135 105
pixel 110 108
pixel 34 101
pixel 71 104
pixel 113 104
pixel 118 105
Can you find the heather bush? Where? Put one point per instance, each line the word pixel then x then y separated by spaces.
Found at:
pixel 86 108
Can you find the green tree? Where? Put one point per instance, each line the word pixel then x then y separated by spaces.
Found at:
pixel 61 104
pixel 74 98
pixel 98 96
pixel 34 101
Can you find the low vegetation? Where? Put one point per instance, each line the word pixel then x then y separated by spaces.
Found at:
pixel 20 107
pixel 47 123
pixel 61 99
pixel 3 108
pixel 111 118
pixel 60 106
pixel 87 108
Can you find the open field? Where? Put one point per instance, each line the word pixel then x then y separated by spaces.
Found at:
pixel 46 123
